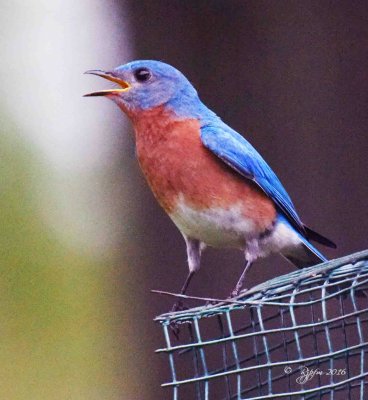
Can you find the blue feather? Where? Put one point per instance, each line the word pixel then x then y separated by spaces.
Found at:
pixel 240 155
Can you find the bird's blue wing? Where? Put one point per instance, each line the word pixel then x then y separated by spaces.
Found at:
pixel 240 155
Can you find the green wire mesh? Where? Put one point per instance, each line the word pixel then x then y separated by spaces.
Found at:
pixel 303 335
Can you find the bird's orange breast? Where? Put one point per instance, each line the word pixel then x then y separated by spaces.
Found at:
pixel 178 167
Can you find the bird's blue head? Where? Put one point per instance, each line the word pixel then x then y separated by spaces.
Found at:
pixel 146 84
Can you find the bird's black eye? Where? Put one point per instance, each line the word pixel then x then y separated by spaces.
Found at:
pixel 142 74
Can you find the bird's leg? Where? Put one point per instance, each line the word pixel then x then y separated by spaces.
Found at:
pixel 187 281
pixel 179 304
pixel 240 283
pixel 250 253
pixel 194 248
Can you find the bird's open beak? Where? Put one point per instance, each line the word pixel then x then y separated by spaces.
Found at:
pixel 124 86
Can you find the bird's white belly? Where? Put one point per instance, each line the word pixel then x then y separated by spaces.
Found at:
pixel 217 227
pixel 220 227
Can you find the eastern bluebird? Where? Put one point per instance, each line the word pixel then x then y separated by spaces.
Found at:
pixel 213 184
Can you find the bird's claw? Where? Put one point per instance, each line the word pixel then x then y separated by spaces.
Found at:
pixel 236 292
pixel 210 303
pixel 178 306
pixel 174 327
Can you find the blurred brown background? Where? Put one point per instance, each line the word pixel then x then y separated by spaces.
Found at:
pixel 83 239
pixel 292 78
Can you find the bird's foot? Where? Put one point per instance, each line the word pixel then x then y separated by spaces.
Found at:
pixel 178 306
pixel 236 291
pixel 174 327
pixel 211 303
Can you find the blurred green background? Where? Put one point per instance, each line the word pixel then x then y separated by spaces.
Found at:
pixel 66 323
pixel 82 238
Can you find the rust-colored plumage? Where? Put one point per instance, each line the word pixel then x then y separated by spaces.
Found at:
pixel 175 162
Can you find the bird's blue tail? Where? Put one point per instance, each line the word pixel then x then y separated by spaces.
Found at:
pixel 305 254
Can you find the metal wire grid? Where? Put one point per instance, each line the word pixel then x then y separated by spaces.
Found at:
pixel 263 346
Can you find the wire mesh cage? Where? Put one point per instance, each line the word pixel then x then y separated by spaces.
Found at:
pixel 303 335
